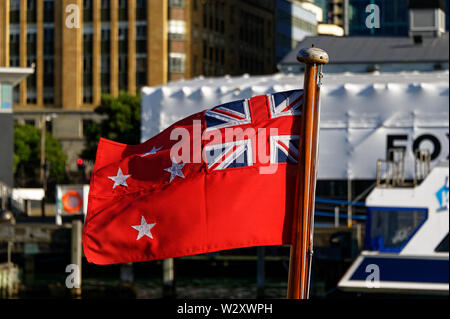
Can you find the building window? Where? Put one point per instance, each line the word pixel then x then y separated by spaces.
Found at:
pixel 48 98
pixel 87 10
pixel 14 11
pixel 176 3
pixel 105 6
pixel 123 75
pixel 31 35
pixel 49 34
pixel 105 73
pixel 105 39
pixel 296 22
pixel 48 79
pixel 195 33
pixel 14 5
pixel 48 65
pixel 177 29
pixel 141 10
pixel 105 64
pixel 87 94
pixel 123 63
pixel 141 37
pixel 105 33
pixel 123 56
pixel 14 61
pixel 14 45
pixel 177 62
pixel 232 14
pixel 87 63
pixel 31 96
pixel 123 10
pixel 31 11
pixel 123 32
pixel 141 4
pixel 31 4
pixel 31 122
pixel 87 4
pixel 195 65
pixel 50 4
pixel 141 63
pixel 49 13
pixel 105 78
pixel 141 32
pixel 205 49
pixel 14 37
pixel 141 69
pixel 205 17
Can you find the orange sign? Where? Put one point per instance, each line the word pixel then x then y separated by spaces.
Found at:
pixel 72 202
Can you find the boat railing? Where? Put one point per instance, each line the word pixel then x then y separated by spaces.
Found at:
pixel 5 194
pixel 421 165
pixel 391 171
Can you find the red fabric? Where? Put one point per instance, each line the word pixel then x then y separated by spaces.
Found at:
pixel 208 210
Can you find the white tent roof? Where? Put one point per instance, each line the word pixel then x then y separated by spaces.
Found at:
pixel 354 109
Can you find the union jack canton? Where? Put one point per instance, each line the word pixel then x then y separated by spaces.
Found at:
pixel 247 113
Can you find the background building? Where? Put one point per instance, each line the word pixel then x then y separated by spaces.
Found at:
pixel 83 48
pixel 293 23
pixel 394 16
pixel 228 37
pixel 351 16
pixel 337 13
pixel 332 17
pixel 383 54
pixel 323 4
pixel 80 49
pixel 424 48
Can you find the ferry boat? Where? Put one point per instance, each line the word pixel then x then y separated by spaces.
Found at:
pixel 406 244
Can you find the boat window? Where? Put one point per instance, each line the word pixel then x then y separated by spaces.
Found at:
pixel 390 229
pixel 443 246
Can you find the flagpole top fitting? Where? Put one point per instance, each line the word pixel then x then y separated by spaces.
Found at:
pixel 312 56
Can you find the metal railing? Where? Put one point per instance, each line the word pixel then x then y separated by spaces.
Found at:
pixel 421 165
pixel 9 280
pixel 391 171
pixel 5 195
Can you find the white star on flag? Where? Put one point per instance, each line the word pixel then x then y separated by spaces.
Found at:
pixel 154 150
pixel 144 229
pixel 119 179
pixel 175 170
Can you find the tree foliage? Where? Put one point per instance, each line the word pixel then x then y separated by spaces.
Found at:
pixel 121 123
pixel 27 156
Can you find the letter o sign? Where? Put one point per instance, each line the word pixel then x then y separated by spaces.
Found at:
pixel 433 139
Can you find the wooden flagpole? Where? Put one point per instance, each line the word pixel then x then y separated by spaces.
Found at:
pixel 301 249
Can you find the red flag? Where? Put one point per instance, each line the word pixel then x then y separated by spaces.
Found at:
pixel 220 179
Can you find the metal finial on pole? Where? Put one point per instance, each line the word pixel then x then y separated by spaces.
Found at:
pixel 312 55
pixel 301 249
